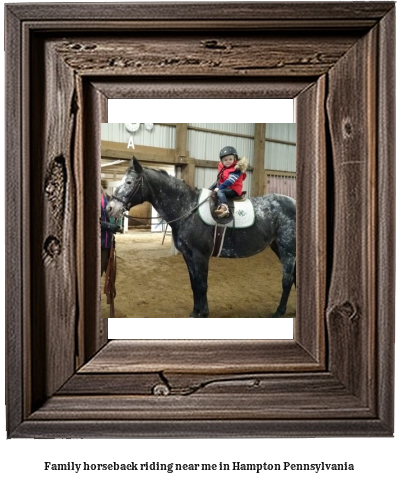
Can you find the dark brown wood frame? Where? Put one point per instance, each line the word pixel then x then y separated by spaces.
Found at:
pixel 336 377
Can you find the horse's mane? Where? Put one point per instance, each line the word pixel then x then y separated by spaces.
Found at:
pixel 162 171
pixel 176 181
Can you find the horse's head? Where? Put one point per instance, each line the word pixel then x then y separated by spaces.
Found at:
pixel 129 193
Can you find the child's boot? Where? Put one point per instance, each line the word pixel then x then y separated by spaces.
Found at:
pixel 222 211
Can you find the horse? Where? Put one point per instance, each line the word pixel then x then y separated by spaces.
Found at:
pixel 177 203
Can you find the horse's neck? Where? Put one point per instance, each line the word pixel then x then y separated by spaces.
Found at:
pixel 170 199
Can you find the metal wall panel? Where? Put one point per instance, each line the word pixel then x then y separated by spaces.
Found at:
pixel 281 131
pixel 281 185
pixel 232 128
pixel 204 177
pixel 160 136
pixel 280 156
pixel 207 146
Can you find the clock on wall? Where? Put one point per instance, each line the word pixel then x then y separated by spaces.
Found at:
pixel 149 126
pixel 132 127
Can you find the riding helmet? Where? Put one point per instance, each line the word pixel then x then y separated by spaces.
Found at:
pixel 228 151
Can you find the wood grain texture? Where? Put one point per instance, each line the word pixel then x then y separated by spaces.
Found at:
pixel 152 87
pixel 17 248
pixel 207 407
pixel 352 122
pixel 219 55
pixel 359 14
pixel 191 428
pixel 95 333
pixel 311 217
pixel 386 248
pixel 200 356
pixel 335 377
pixel 131 384
pixel 52 192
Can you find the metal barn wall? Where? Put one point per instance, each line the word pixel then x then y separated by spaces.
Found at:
pixel 280 153
pixel 205 145
pixel 163 136
pixel 280 147
pixel 231 128
pixel 281 131
pixel 281 185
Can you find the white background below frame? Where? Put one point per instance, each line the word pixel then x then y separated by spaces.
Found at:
pixel 202 111
pixel 200 328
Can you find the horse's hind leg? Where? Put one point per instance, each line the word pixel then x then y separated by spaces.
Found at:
pixel 288 261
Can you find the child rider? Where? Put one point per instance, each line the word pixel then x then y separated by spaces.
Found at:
pixel 231 175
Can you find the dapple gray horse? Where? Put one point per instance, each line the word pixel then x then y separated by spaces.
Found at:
pixel 177 203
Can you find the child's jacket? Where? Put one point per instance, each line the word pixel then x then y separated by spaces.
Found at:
pixel 233 177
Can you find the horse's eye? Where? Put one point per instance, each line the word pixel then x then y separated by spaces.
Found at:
pixel 128 181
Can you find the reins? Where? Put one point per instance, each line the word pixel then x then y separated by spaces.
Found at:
pixel 135 218
pixel 130 218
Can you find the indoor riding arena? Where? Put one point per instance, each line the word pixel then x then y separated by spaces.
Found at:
pixel 152 280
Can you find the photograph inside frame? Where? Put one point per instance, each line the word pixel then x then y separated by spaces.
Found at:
pixel 198 220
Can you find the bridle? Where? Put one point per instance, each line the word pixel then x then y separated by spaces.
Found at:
pixel 139 185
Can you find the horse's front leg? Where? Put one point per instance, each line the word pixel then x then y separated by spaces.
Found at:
pixel 198 269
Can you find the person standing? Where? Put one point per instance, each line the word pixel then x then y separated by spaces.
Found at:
pixel 107 231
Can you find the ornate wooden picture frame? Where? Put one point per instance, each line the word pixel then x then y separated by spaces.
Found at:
pixel 64 378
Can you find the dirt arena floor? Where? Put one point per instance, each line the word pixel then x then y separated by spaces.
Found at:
pixel 151 282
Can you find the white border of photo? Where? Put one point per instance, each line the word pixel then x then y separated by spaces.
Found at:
pixel 202 110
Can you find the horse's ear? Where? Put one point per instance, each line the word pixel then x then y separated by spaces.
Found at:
pixel 136 165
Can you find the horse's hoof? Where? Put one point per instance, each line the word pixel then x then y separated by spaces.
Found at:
pixel 198 314
pixel 277 315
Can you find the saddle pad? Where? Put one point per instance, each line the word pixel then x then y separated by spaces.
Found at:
pixel 244 215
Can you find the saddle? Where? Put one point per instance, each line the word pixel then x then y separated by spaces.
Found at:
pixel 213 205
pixel 242 215
pixel 241 211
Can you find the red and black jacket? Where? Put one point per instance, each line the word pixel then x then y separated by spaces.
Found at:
pixel 230 177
